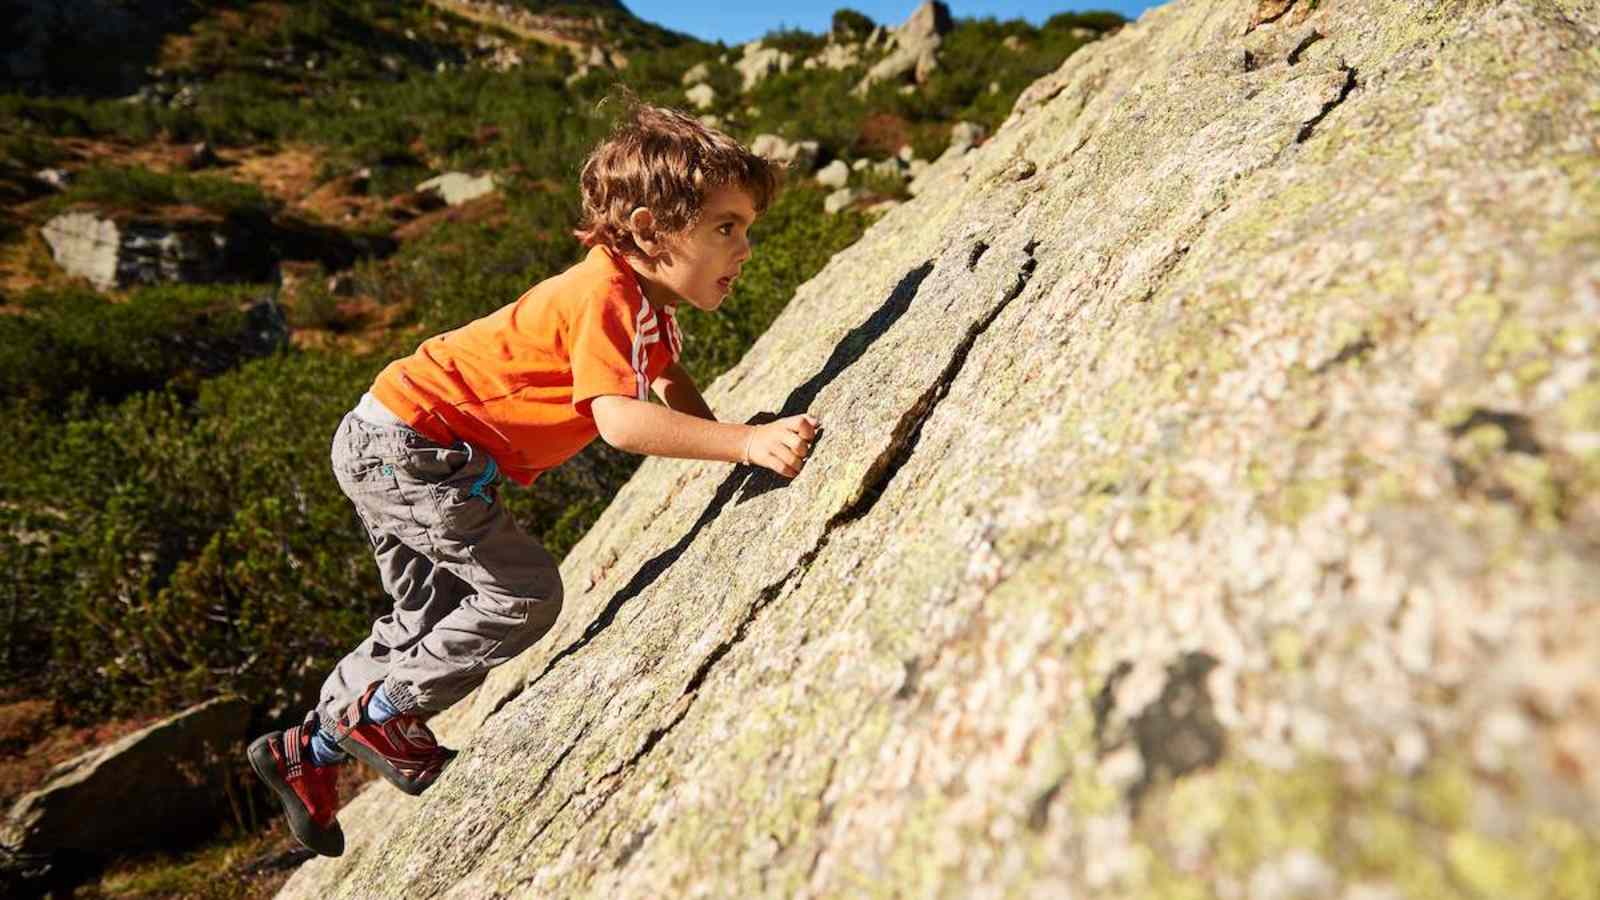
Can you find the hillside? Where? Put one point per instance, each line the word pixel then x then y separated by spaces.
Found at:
pixel 1207 506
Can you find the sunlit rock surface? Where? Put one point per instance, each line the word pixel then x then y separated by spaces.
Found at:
pixel 1209 502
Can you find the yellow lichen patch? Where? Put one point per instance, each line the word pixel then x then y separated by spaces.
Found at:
pixel 1415 834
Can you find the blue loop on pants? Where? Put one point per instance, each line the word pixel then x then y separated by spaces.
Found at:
pixel 489 472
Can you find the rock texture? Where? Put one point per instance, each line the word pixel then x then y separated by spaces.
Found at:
pixel 152 788
pixel 457 188
pixel 913 47
pixel 1208 503
pixel 112 253
pixel 119 248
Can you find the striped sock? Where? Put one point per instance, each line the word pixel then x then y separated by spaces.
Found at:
pixel 380 708
pixel 324 752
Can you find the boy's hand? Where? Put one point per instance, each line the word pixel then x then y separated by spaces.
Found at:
pixel 781 446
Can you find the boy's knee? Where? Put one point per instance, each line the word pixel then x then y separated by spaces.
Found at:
pixel 539 610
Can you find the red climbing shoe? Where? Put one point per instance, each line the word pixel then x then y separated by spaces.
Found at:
pixel 402 749
pixel 309 792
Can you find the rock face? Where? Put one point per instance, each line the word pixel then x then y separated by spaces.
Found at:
pixel 914 47
pixel 1207 502
pixel 145 790
pixel 116 249
pixel 114 254
pixel 759 61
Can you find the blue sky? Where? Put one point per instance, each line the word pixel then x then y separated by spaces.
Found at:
pixel 740 22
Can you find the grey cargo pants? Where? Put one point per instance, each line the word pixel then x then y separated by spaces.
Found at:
pixel 471 589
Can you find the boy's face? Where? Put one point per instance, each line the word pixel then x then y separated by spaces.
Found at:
pixel 700 263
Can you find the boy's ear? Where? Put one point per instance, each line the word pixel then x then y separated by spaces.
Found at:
pixel 642 223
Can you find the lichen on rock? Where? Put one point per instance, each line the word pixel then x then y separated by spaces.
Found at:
pixel 1206 502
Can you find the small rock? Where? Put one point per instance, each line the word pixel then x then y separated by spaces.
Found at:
pixel 800 155
pixel 838 200
pixel 702 96
pixel 835 174
pixel 56 178
pixel 196 156
pixel 342 284
pixel 760 62
pixel 889 168
pixel 968 134
pixel 700 73
pixel 458 187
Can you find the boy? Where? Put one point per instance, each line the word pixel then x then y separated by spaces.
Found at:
pixel 667 206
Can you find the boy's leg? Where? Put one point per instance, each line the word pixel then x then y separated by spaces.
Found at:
pixel 514 591
pixel 423 594
pixel 472 589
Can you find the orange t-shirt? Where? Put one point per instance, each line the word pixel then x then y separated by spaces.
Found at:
pixel 518 382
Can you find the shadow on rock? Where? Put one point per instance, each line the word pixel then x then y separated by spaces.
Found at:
pixel 753 480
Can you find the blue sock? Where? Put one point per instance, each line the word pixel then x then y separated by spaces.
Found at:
pixel 380 708
pixel 324 752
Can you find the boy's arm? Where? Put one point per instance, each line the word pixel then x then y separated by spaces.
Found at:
pixel 639 426
pixel 677 390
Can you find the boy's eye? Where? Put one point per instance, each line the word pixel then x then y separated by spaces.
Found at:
pixel 726 228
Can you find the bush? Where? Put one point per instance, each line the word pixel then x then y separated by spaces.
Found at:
pixel 849 25
pixel 74 341
pixel 185 550
pixel 140 188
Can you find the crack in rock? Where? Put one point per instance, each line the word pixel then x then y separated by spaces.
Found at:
pixel 746 481
pixel 909 429
pixel 1305 42
pixel 903 441
pixel 1344 91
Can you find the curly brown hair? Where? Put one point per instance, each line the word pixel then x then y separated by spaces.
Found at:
pixel 665 161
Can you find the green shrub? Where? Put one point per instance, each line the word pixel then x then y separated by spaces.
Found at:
pixel 172 531
pixel 850 25
pixel 74 341
pixel 793 40
pixel 141 188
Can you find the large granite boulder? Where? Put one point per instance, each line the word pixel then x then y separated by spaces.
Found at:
pixel 799 156
pixel 119 248
pixel 913 47
pixel 1206 505
pixel 759 61
pixel 158 787
pixel 112 253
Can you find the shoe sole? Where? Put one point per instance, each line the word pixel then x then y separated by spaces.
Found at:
pixel 327 842
pixel 385 768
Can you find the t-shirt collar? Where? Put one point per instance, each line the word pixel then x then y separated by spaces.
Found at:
pixel 602 253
